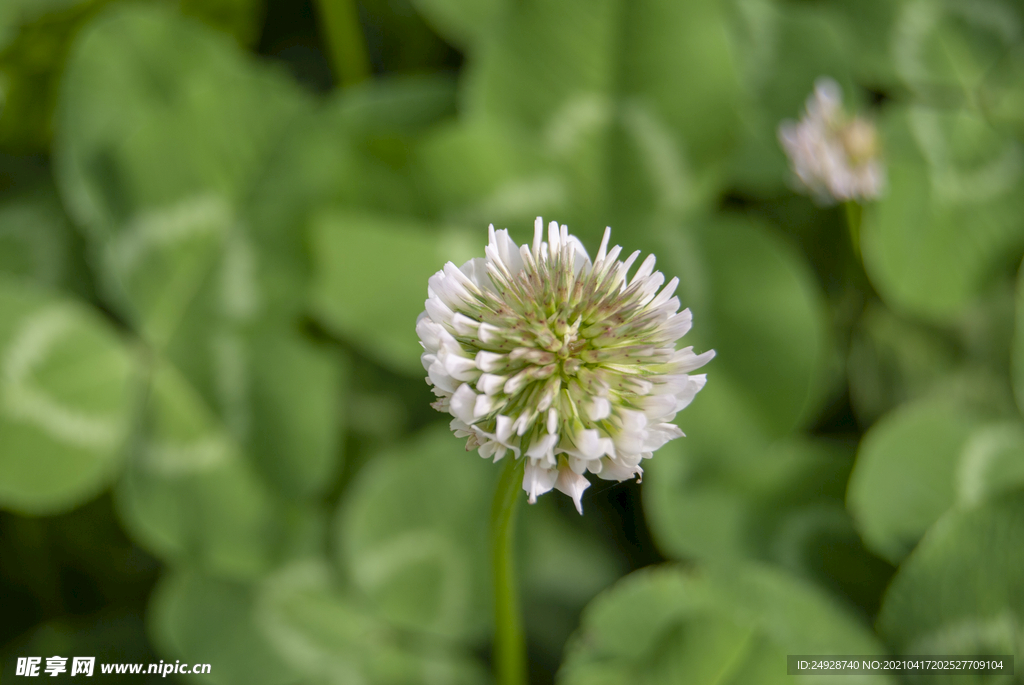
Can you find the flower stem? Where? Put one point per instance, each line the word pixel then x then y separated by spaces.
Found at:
pixel 854 212
pixel 339 21
pixel 509 642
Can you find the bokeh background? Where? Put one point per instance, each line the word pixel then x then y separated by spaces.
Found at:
pixel 215 236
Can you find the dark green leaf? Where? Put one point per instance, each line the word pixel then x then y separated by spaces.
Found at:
pixel 961 590
pixel 327 636
pixel 951 214
pixel 905 475
pixel 723 625
pixel 190 495
pixel 370 278
pixel 199 619
pixel 618 100
pixel 67 391
pixel 413 535
pixel 756 303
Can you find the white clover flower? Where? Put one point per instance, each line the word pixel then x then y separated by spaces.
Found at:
pixel 835 156
pixel 562 361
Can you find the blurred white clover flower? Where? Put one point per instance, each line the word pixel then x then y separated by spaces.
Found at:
pixel 834 155
pixel 541 352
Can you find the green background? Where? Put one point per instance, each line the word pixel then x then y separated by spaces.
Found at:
pixel 216 444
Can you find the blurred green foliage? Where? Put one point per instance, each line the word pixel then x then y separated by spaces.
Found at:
pixel 215 442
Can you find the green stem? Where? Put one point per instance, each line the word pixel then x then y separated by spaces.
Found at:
pixel 339 20
pixel 509 642
pixel 854 213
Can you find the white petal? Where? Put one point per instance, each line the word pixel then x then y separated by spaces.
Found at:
pixel 489 334
pixel 462 404
pixel 476 271
pixel 603 250
pixel 645 270
pixel 505 251
pixel 614 469
pixel 660 433
pixel 525 422
pixel 490 361
pixel 690 391
pixel 439 377
pixel 492 448
pixel 464 325
pixel 572 484
pixel 460 428
pixel 590 444
pixel 538 479
pixel 623 268
pixel 650 286
pixel 427 360
pixel 428 332
pixel 552 421
pixel 656 406
pixel 543 448
pixel 677 326
pixel 490 383
pixel 581 260
pixel 459 367
pixel 666 293
pixel 503 429
pixel 484 405
pixel 438 311
pixel 578 465
pixel 685 361
pixel 517 382
pixel 629 438
pixel 599 408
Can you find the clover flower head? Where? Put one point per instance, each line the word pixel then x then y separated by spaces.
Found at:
pixel 834 155
pixel 538 351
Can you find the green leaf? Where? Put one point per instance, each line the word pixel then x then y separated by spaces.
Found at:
pixel 951 213
pixel 616 99
pixel 161 204
pixel 869 25
pixel 482 172
pixel 905 474
pixel 35 240
pixel 67 392
pixel 189 494
pixel 755 302
pixel 782 49
pixel 950 49
pixel 242 19
pixel 721 624
pixel 370 277
pixel 961 590
pixel 778 503
pixel 180 256
pixel 200 619
pixel 413 534
pixel 354 151
pixel 893 360
pixel 276 393
pixel 293 435
pixel 327 636
pixel 193 102
pixel 461 22
pixel 992 463
pixel 35 37
pixel 112 635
